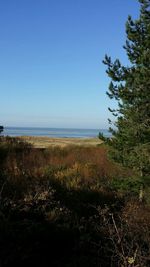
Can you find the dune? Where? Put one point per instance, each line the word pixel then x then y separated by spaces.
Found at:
pixel 45 142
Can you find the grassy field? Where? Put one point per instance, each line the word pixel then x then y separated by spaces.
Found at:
pixel 69 206
pixel 46 142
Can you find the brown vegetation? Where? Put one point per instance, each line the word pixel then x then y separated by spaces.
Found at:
pixel 63 207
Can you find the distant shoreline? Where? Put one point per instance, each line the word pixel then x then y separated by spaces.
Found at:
pixel 54 132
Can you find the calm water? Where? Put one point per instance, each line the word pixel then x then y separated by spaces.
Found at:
pixel 53 132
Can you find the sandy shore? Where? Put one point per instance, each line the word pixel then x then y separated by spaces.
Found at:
pixel 45 142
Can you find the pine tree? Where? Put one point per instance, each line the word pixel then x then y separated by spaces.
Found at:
pixel 130 87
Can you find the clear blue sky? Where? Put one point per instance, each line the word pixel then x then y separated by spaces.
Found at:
pixel 51 51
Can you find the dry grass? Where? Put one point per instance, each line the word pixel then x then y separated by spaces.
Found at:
pixel 46 142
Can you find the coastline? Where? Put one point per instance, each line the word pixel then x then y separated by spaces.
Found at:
pixel 46 142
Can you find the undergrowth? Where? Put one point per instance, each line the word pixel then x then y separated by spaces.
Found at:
pixel 69 207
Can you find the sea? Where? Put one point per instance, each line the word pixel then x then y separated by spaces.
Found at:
pixel 54 132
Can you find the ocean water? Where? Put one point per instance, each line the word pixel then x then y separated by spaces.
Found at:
pixel 54 132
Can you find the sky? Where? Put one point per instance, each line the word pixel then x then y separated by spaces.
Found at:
pixel 51 52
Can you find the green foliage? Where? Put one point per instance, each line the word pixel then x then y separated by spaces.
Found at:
pixel 127 186
pixel 101 136
pixel 130 87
